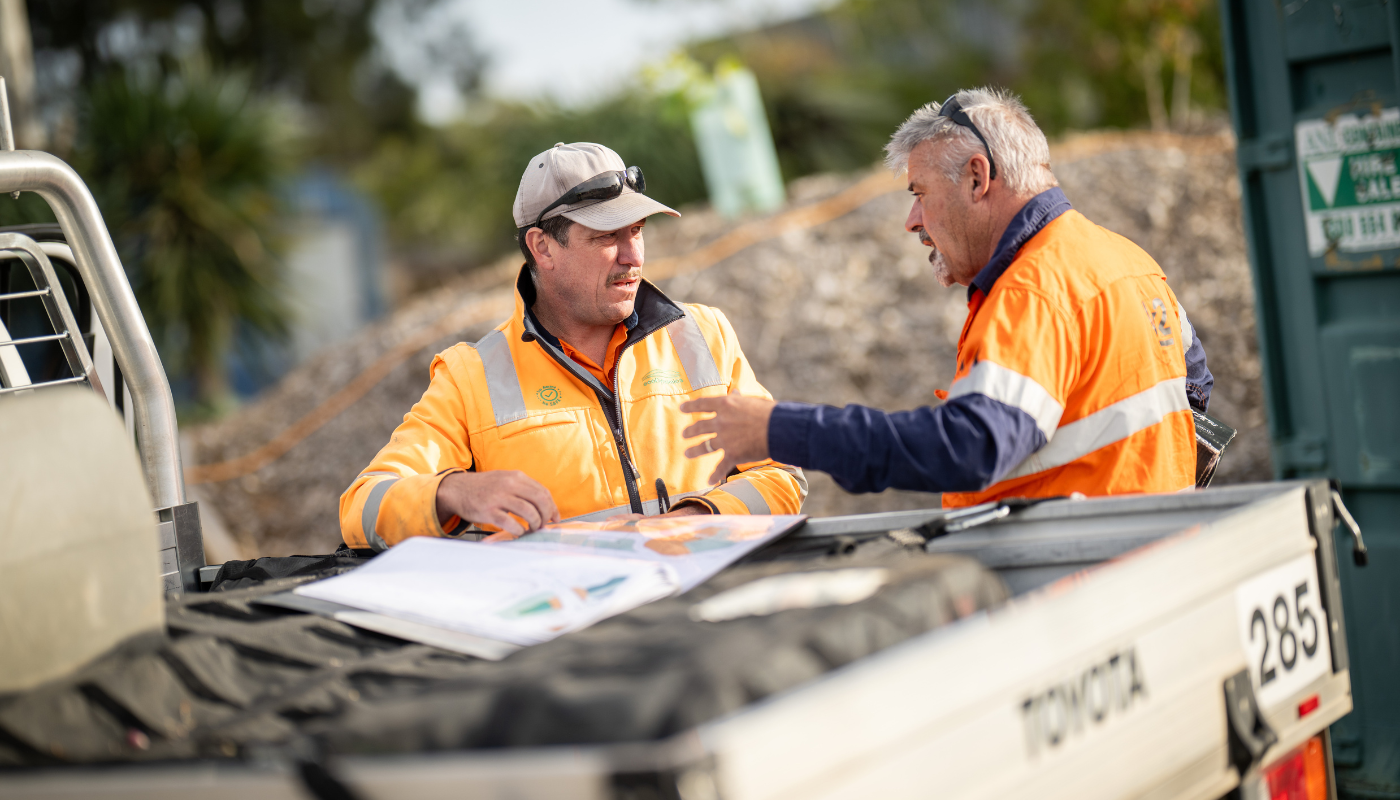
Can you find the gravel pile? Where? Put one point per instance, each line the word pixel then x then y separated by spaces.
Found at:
pixel 844 312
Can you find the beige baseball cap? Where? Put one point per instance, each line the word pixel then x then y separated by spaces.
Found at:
pixel 564 166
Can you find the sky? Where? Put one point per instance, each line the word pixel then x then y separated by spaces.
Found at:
pixel 578 51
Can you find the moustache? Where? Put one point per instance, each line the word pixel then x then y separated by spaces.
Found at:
pixel 624 276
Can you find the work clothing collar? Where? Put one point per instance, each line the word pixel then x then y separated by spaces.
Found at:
pixel 1038 212
pixel 652 311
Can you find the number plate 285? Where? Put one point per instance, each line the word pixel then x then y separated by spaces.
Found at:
pixel 1284 630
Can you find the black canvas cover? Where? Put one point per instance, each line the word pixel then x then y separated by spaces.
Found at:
pixel 234 677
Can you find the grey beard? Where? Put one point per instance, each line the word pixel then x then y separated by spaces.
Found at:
pixel 942 271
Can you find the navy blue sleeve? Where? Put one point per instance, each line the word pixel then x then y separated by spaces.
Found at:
pixel 1199 381
pixel 964 445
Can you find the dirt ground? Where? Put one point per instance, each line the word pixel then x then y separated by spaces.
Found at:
pixel 841 312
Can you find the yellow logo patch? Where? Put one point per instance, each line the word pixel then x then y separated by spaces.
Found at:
pixel 663 377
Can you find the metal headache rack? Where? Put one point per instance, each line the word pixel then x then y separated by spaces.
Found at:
pixel 143 379
pixel 14 375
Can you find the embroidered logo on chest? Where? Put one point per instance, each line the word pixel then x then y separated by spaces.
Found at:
pixel 549 395
pixel 661 377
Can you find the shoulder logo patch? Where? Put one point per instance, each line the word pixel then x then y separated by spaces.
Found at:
pixel 1161 323
pixel 662 377
pixel 549 395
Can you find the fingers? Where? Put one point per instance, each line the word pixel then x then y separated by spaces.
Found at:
pixel 701 405
pixel 701 450
pixel 704 426
pixel 539 497
pixel 524 509
pixel 506 523
pixel 726 464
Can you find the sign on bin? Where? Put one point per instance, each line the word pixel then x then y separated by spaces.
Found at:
pixel 1350 181
pixel 1283 630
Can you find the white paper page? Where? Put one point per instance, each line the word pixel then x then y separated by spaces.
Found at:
pixel 696 547
pixel 514 595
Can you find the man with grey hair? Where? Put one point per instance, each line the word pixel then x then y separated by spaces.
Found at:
pixel 1077 370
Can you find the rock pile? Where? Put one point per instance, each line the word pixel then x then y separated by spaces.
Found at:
pixel 843 312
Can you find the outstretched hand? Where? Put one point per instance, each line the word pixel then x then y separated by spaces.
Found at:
pixel 740 425
pixel 489 498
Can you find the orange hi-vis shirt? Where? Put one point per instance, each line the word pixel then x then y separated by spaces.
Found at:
pixel 605 372
pixel 1082 333
pixel 515 401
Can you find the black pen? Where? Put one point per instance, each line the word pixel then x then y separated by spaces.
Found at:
pixel 662 498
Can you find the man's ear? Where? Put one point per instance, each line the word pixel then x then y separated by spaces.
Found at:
pixel 541 247
pixel 980 170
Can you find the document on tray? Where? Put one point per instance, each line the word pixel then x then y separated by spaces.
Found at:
pixel 558 579
pixel 696 547
pixel 500 593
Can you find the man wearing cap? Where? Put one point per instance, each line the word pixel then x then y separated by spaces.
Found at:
pixel 1077 370
pixel 571 408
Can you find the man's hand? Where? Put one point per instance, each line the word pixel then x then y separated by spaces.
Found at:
pixel 489 498
pixel 740 425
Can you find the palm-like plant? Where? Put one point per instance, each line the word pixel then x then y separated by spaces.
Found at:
pixel 185 170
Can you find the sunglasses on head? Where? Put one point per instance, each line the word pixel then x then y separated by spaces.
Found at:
pixel 605 186
pixel 952 109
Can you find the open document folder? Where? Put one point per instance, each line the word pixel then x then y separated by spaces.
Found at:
pixel 477 596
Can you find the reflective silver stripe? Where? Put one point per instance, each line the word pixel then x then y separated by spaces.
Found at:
pixel 801 478
pixel 748 494
pixel 696 358
pixel 1015 390
pixel 1110 424
pixel 1188 333
pixel 370 515
pixel 507 401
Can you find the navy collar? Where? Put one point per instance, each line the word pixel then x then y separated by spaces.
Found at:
pixel 1040 211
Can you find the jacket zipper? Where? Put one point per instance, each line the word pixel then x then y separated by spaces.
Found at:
pixel 629 474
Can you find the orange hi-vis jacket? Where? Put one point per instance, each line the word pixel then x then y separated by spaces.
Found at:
pixel 515 401
pixel 1082 333
pixel 1071 377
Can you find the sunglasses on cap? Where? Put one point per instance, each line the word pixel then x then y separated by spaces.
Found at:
pixel 605 186
pixel 952 109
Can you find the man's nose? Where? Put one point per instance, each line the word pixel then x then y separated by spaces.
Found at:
pixel 915 221
pixel 631 252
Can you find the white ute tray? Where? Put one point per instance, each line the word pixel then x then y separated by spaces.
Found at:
pixel 1103 677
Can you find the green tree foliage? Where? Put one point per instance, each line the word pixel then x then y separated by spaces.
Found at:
pixel 1090 61
pixel 320 53
pixel 186 161
pixel 185 170
pixel 835 85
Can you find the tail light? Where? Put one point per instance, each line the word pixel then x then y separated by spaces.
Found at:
pixel 1300 775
